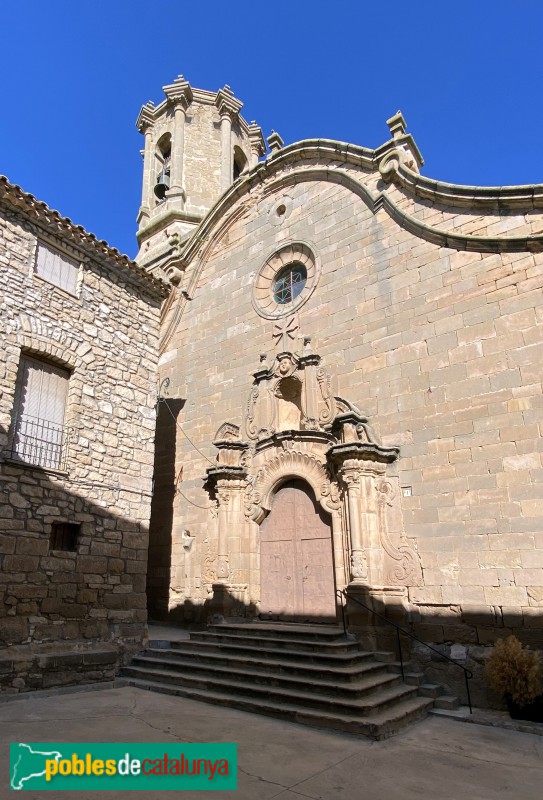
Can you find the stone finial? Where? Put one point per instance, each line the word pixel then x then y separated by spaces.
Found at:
pixel 226 102
pixel 275 142
pixel 257 139
pixel 397 125
pixel 146 117
pixel 179 92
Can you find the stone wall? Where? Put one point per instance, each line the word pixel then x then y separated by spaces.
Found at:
pixel 439 346
pixel 70 602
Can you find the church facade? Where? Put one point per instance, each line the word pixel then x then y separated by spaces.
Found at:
pixel 348 362
pixel 351 382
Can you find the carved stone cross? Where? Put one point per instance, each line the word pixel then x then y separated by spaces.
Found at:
pixel 284 331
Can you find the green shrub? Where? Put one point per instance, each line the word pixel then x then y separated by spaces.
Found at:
pixel 514 670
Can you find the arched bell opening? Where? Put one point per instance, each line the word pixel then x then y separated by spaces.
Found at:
pixel 163 156
pixel 240 164
pixel 297 582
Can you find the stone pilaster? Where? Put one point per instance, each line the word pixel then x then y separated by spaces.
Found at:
pixel 179 93
pixel 229 107
pixel 258 145
pixel 359 465
pixel 144 124
pixel 227 482
pixel 350 477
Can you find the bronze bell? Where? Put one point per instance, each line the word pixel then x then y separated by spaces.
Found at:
pixel 162 184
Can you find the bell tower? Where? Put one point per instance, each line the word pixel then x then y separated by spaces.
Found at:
pixel 196 145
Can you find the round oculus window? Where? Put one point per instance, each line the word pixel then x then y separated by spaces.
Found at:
pixel 285 281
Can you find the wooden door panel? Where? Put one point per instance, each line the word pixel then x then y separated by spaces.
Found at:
pixel 297 572
pixel 318 579
pixel 278 588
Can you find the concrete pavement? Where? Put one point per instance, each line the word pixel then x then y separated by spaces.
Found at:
pixel 436 758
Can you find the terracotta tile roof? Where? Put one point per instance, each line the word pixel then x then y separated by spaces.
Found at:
pixel 62 227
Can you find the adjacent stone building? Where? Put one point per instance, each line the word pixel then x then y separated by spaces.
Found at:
pixel 351 365
pixel 79 330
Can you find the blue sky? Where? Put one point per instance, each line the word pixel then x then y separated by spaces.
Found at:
pixel 467 76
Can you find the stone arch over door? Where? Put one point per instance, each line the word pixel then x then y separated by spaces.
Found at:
pixel 296 558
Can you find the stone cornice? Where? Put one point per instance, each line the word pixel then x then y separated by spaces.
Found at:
pixel 150 114
pixel 38 213
pixel 486 198
pixel 363 451
pixel 335 155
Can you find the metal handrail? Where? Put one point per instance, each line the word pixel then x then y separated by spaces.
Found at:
pixel 468 674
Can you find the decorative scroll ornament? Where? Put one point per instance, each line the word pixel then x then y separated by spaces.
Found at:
pixel 246 460
pixel 209 573
pixel 406 569
pixel 250 427
pixel 325 381
pixel 331 496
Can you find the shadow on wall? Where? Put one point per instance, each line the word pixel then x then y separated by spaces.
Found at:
pixel 465 637
pixel 72 577
pixel 162 509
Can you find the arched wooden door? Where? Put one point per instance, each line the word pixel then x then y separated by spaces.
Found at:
pixel 296 563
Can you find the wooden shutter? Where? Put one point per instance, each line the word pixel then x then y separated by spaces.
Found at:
pixel 56 268
pixel 39 429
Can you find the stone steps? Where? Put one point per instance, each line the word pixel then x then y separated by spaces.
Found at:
pixel 311 645
pixel 366 699
pixel 344 672
pixel 332 657
pixel 372 678
pixel 377 726
pixel 310 674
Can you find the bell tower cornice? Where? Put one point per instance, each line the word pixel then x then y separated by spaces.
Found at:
pixel 227 103
pixel 179 92
pixel 146 117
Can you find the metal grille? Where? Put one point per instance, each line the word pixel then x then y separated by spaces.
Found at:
pixel 289 284
pixel 40 443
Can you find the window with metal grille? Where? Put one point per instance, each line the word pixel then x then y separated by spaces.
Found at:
pixel 64 536
pixel 39 436
pixel 288 283
pixel 56 268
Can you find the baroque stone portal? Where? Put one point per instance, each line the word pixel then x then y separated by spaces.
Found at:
pixel 311 459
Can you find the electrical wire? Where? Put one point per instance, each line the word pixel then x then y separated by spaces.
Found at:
pixel 184 496
pixel 163 400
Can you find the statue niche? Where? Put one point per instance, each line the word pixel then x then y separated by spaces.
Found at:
pixel 289 404
pixel 293 394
